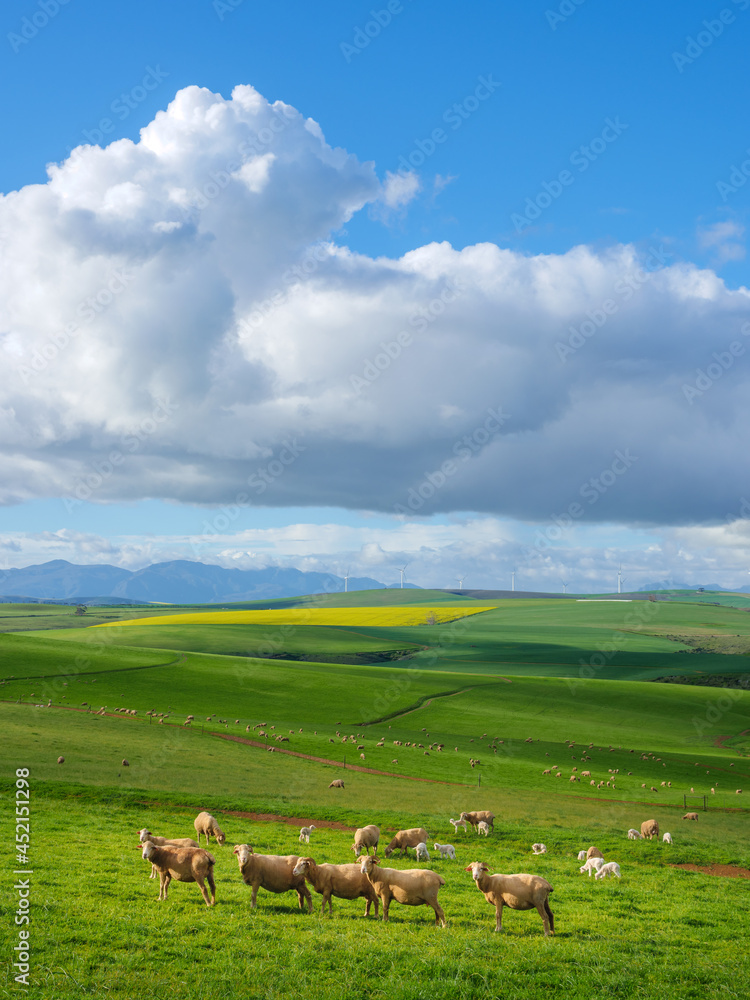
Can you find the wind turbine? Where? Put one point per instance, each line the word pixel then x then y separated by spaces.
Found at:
pixel 402 571
pixel 513 580
pixel 461 582
pixel 346 582
pixel 564 586
pixel 619 579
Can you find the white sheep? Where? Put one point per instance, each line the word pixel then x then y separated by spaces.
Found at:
pixel 634 834
pixel 342 881
pixel 422 853
pixel 591 865
pixel 539 848
pixel 304 834
pixel 273 872
pixel 456 823
pixel 581 855
pixel 667 838
pixel 483 827
pixel 205 825
pixel 519 892
pixel 185 864
pixel 611 868
pixel 412 887
pixel 446 851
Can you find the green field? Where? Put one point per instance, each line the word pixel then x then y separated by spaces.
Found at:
pixel 538 685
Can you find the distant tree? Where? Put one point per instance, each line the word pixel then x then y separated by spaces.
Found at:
pixel 81 609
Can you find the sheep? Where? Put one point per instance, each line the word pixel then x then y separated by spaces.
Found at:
pixel 412 887
pixel 185 864
pixel 273 872
pixel 650 829
pixel 581 855
pixel 476 817
pixel 361 756
pixel 456 823
pixel 691 816
pixel 422 853
pixel 539 848
pixel 592 865
pixel 667 838
pixel 593 852
pixel 336 783
pixel 125 763
pixel 206 825
pixel 519 892
pixel 611 868
pixel 366 837
pixel 446 851
pixel 405 839
pixel 144 835
pixel 483 827
pixel 342 881
pixel 60 760
pixel 304 834
pixel 634 834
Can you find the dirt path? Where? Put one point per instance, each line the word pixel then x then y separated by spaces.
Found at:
pixel 336 763
pixel 728 871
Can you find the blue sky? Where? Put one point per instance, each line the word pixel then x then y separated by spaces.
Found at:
pixel 529 130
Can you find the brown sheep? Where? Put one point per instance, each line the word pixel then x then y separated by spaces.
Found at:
pixel 519 892
pixel 205 825
pixel 336 783
pixel 650 829
pixel 412 887
pixel 272 872
pixel 185 864
pixel 342 881
pixel 691 816
pixel 405 839
pixel 475 817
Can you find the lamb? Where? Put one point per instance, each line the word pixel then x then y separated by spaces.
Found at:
pixel 405 839
pixel 412 887
pixel 273 872
pixel 342 881
pixel 476 817
pixel 519 892
pixel 336 783
pixel 185 864
pixel 483 827
pixel 446 851
pixel 581 855
pixel 206 825
pixel 634 834
pixel 144 835
pixel 611 868
pixel 650 829
pixel 592 865
pixel 422 853
pixel 691 816
pixel 366 837
pixel 667 838
pixel 304 833
pixel 539 848
pixel 456 823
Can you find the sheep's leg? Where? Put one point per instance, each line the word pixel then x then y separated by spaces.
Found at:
pixel 551 916
pixel 303 895
pixel 212 885
pixel 542 911
pixel 202 887
pixel 254 896
pixel 327 900
pixel 153 871
pixel 439 914
pixel 499 916
pixel 385 899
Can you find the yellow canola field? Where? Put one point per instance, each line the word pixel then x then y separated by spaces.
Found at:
pixel 351 617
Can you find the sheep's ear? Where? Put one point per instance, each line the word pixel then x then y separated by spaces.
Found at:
pixel 236 849
pixel 467 868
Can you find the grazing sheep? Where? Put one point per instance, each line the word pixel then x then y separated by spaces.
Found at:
pixel 611 868
pixel 273 872
pixel 144 835
pixel 412 887
pixel 667 838
pixel 125 763
pixel 650 829
pixel 581 855
pixel 405 839
pixel 336 783
pixel 634 834
pixel 474 818
pixel 422 853
pixel 446 851
pixel 593 852
pixel 206 825
pixel 456 823
pixel 304 834
pixel 185 864
pixel 60 760
pixel 342 881
pixel 519 892
pixel 738 792
pixel 361 756
pixel 366 837
pixel 539 848
pixel 483 827
pixel 592 865
pixel 691 816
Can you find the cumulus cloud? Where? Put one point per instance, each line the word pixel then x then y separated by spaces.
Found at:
pixel 178 320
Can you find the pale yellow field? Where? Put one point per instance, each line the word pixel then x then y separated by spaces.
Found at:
pixel 352 617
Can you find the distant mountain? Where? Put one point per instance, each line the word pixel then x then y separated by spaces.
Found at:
pixel 670 585
pixel 177 582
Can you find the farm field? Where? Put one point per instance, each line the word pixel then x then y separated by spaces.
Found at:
pixel 533 686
